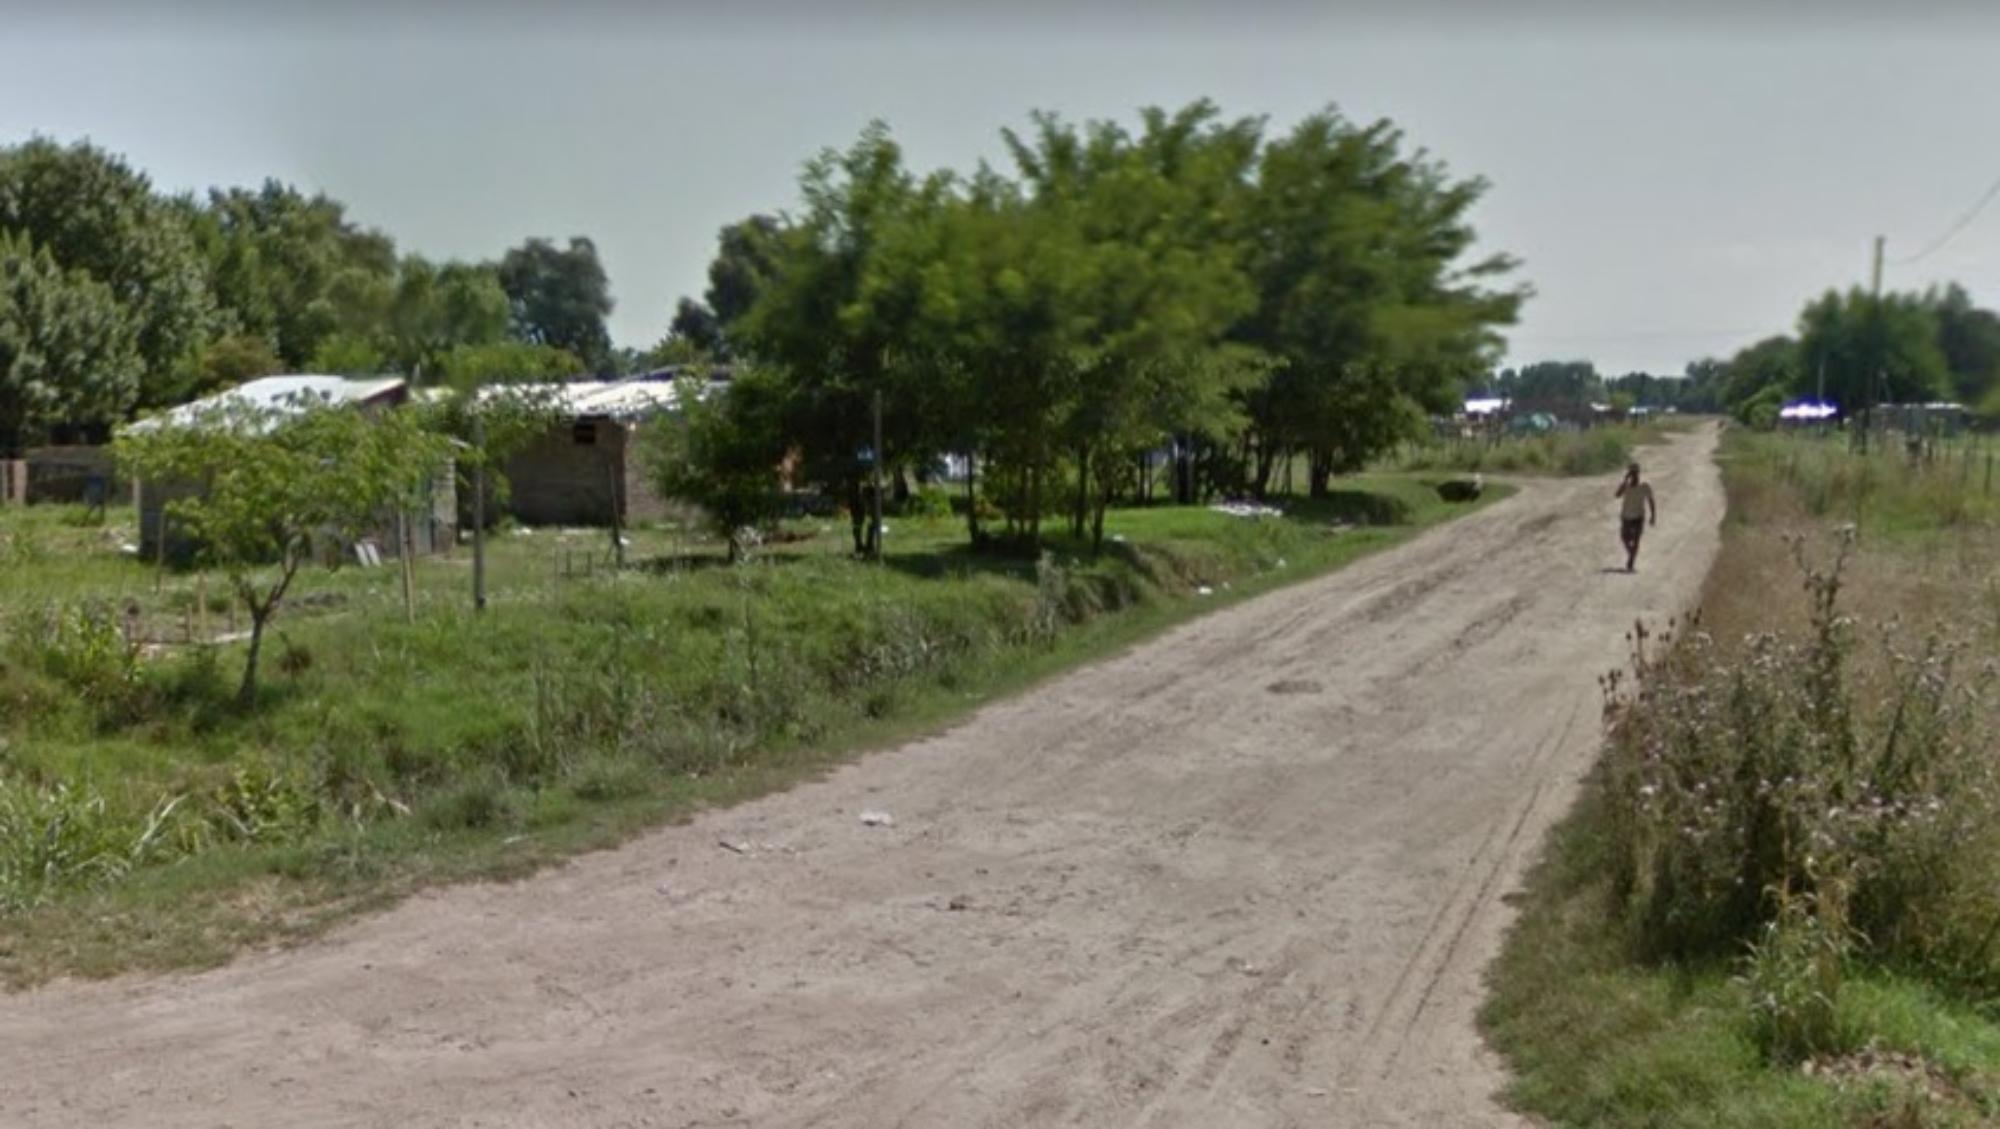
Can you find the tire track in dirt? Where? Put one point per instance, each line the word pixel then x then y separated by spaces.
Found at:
pixel 1246 874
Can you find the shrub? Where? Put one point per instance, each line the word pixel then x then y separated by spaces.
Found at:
pixel 70 836
pixel 84 647
pixel 936 502
pixel 471 806
pixel 258 804
pixel 1748 787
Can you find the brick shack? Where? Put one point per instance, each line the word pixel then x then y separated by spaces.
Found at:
pixel 590 467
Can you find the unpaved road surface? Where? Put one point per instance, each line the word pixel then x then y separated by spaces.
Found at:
pixel 1246 874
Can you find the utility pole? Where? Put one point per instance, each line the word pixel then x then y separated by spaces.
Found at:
pixel 478 510
pixel 1873 379
pixel 875 471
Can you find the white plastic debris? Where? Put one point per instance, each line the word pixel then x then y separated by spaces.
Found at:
pixel 1204 590
pixel 1247 509
pixel 877 819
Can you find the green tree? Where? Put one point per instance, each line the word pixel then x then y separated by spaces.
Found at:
pixel 506 362
pixel 67 351
pixel 1365 300
pixel 1872 349
pixel 1557 386
pixel 229 361
pixel 1770 363
pixel 1705 379
pixel 723 454
pixel 695 332
pixel 1969 337
pixel 1761 409
pixel 994 336
pixel 746 260
pixel 93 213
pixel 269 486
pixel 559 297
pixel 291 268
pixel 439 308
pixel 1156 279
pixel 349 354
pixel 836 315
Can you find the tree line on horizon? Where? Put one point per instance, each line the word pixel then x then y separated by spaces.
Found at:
pixel 1852 349
pixel 116 298
pixel 1855 349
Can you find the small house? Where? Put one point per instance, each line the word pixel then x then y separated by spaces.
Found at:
pixel 431 532
pixel 590 467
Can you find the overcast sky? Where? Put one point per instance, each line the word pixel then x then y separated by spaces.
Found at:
pixel 1675 186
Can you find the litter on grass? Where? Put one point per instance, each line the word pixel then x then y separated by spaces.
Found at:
pixel 1247 509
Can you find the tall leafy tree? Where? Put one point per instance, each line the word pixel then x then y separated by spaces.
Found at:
pixel 466 367
pixel 1872 349
pixel 836 316
pixel 696 328
pixel 1365 298
pixel 1566 386
pixel 436 309
pixel 559 296
pixel 1705 379
pixel 91 212
pixel 293 269
pixel 1969 337
pixel 228 361
pixel 67 350
pixel 996 331
pixel 746 259
pixel 1158 276
pixel 1771 363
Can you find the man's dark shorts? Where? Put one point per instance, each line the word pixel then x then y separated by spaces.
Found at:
pixel 1629 529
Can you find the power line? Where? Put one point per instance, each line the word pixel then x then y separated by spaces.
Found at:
pixel 1637 334
pixel 1964 221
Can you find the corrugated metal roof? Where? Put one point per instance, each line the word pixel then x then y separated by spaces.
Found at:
pixel 287 393
pixel 613 399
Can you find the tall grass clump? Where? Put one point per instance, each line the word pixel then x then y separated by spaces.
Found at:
pixel 1806 801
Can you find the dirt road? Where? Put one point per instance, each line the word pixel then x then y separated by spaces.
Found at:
pixel 1245 875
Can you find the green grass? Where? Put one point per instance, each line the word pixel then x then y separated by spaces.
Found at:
pixel 1599 450
pixel 1595 1038
pixel 1598 1034
pixel 1883 492
pixel 388 754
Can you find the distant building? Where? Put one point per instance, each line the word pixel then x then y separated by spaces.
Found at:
pixel 433 531
pixel 590 467
pixel 1934 418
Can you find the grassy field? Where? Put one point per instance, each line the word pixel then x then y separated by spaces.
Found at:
pixel 1775 903
pixel 1599 450
pixel 146 820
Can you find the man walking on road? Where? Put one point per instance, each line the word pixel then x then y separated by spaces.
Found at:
pixel 1638 504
